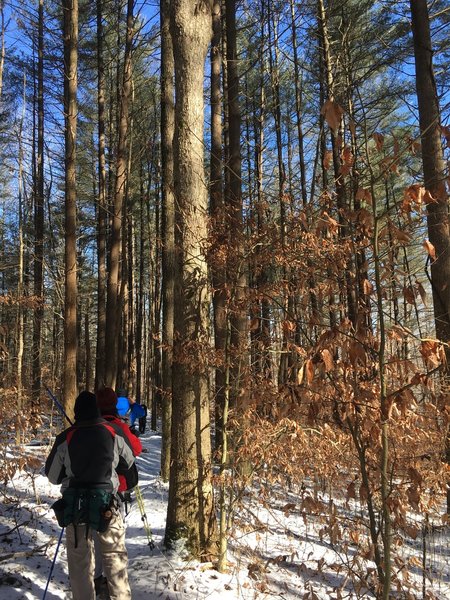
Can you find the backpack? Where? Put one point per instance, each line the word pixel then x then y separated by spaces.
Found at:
pixel 131 475
pixel 85 506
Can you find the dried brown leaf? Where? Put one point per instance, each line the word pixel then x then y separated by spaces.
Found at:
pixel 328 361
pixel 327 159
pixel 430 249
pixel 379 140
pixel 333 113
pixel 309 371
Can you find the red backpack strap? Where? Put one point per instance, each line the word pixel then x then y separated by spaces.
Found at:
pixel 110 428
pixel 70 433
pixel 72 430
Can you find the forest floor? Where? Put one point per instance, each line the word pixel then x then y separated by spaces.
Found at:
pixel 274 551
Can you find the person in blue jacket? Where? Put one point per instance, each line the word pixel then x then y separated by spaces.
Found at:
pixel 136 412
pixel 123 404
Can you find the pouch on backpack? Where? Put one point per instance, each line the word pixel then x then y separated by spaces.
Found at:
pixel 59 508
pixel 91 507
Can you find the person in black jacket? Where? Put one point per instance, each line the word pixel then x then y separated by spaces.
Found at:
pixel 85 457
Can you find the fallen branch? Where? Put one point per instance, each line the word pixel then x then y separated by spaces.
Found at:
pixel 24 554
pixel 14 528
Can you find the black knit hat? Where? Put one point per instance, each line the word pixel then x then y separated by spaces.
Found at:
pixel 86 407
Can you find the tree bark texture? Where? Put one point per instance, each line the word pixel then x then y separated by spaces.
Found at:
pixel 2 43
pixel 168 231
pixel 218 219
pixel 70 8
pixel 190 515
pixel 113 291
pixel 39 212
pixel 434 173
pixel 433 168
pixel 237 268
pixel 101 207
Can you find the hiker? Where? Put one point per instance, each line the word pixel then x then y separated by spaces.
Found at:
pixel 136 412
pixel 143 420
pixel 107 404
pixel 128 478
pixel 83 460
pixel 123 404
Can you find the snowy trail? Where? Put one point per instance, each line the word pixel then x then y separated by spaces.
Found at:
pixel 284 558
pixel 28 523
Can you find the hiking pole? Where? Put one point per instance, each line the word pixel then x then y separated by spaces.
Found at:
pixel 53 564
pixel 63 412
pixel 58 404
pixel 148 531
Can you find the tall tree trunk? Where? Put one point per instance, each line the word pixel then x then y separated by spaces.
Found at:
pixel 336 146
pixel 113 292
pixel 190 513
pixel 70 9
pixel 39 213
pixel 434 173
pixel 102 208
pixel 140 298
pixel 125 370
pixel 218 218
pixel 284 367
pixel 20 275
pixel 87 351
pixel 218 272
pixel 261 333
pixel 131 334
pixel 298 105
pixel 434 168
pixel 237 270
pixel 156 318
pixel 168 232
pixel 2 43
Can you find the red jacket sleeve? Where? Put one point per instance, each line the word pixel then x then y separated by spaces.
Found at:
pixel 135 442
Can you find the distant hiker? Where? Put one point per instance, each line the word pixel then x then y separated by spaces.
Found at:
pixel 143 420
pixel 107 404
pixel 137 411
pixel 123 404
pixel 128 478
pixel 84 459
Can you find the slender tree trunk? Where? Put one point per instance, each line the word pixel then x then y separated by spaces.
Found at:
pixel 102 207
pixel 190 514
pixel 434 172
pixel 140 299
pixel 298 105
pixel 156 303
pixel 70 8
pixel 39 213
pixel 168 232
pixel 237 270
pixel 125 356
pixel 284 371
pixel 87 346
pixel 131 333
pixel 124 378
pixel 2 43
pixel 263 363
pixel 336 148
pixel 20 282
pixel 218 272
pixel 218 218
pixel 113 307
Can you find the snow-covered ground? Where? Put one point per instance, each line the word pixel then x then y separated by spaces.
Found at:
pixel 274 550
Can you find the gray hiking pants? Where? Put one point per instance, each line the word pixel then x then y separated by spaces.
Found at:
pixel 114 557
